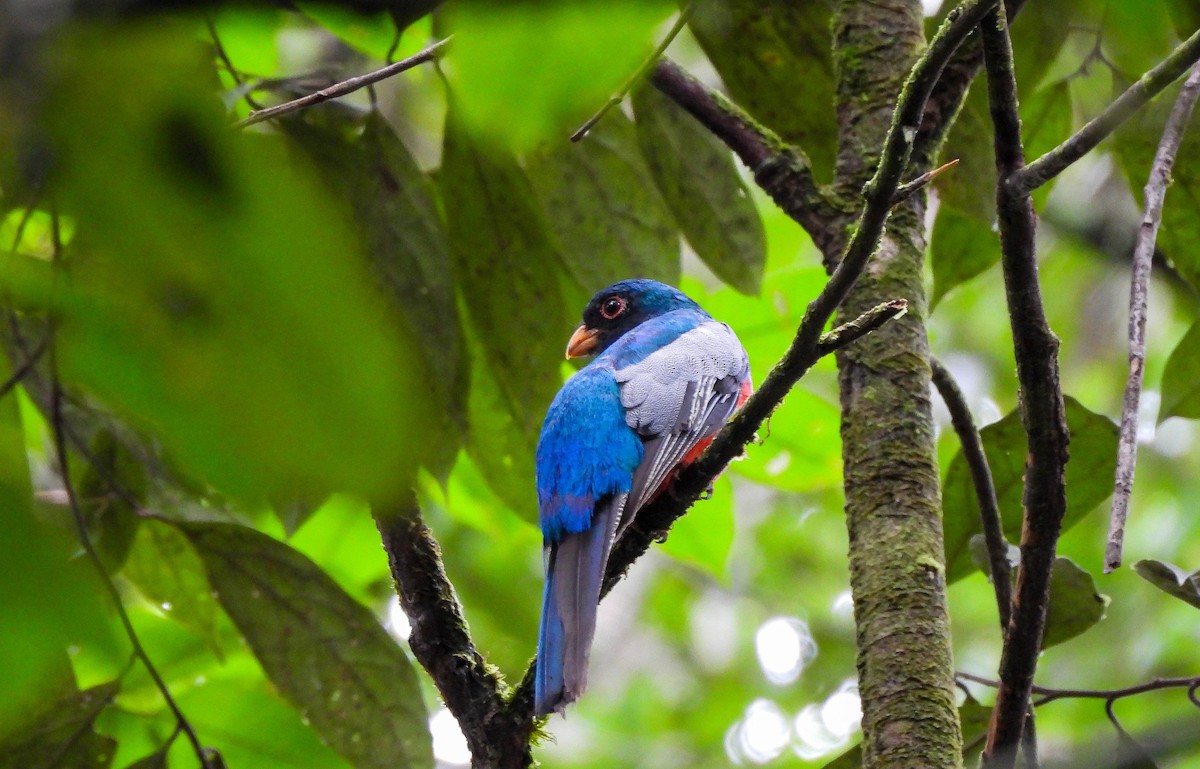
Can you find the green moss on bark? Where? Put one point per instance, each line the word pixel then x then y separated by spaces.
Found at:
pixel 891 479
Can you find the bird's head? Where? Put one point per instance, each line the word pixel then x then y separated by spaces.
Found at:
pixel 619 308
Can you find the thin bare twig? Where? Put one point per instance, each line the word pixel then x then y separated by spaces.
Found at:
pixel 345 87
pixel 1048 694
pixel 850 331
pixel 684 14
pixel 908 189
pixel 981 480
pixel 1139 288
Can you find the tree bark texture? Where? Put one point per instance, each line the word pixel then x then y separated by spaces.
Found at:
pixel 893 507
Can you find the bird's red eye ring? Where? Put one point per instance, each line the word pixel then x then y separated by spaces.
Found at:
pixel 612 307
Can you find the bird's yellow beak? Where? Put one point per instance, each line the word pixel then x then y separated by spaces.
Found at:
pixel 583 341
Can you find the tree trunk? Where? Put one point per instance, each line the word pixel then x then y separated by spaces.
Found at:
pixel 893 507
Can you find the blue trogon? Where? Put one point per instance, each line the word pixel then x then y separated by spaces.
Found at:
pixel 665 378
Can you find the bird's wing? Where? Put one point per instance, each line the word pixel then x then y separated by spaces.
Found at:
pixel 676 397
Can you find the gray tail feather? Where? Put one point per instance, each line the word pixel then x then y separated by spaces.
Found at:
pixel 575 571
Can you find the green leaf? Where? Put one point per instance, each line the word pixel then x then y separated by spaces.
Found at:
pixel 1185 16
pixel 112 523
pixel 982 558
pixel 1089 475
pixel 63 736
pixel 705 535
pixel 759 47
pixel 370 32
pixel 798 447
pixel 1075 605
pixel 256 727
pixel 1171 579
pixel 216 295
pixel 395 209
pixel 156 760
pixel 961 247
pixel 406 12
pixel 248 34
pixel 325 652
pixel 167 571
pixel 1181 379
pixel 508 271
pixel 1046 118
pixel 1136 37
pixel 974 719
pixel 51 598
pixel 502 447
pixel 970 187
pixel 1130 754
pixel 525 72
pixel 700 182
pixel 601 205
pixel 1039 33
pixel 965 241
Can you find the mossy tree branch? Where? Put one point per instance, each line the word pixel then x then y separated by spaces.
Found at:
pixel 891 480
pixel 441 642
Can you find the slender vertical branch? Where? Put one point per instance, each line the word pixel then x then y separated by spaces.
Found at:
pixel 981 480
pixel 1042 410
pixel 1139 288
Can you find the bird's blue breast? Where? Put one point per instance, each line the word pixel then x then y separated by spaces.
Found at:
pixel 586 451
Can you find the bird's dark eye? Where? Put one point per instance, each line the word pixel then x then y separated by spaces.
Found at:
pixel 612 307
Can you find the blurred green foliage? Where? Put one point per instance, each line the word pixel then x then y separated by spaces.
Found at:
pixel 264 331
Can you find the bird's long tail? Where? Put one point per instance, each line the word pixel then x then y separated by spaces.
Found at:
pixel 574 571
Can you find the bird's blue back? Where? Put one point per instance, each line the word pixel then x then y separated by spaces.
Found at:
pixel 586 449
